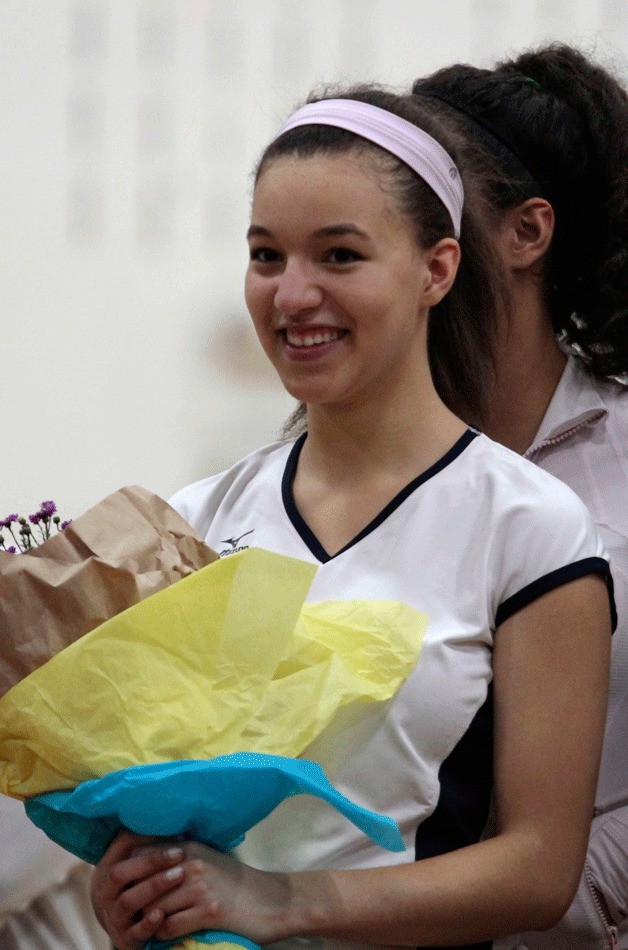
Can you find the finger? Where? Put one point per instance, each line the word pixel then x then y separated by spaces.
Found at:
pixel 171 842
pixel 140 896
pixel 123 844
pixel 184 922
pixel 139 933
pixel 183 898
pixel 142 866
pixel 113 880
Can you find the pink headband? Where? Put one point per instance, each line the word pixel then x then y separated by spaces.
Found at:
pixel 422 153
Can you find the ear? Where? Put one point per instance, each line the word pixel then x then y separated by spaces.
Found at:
pixel 525 233
pixel 442 262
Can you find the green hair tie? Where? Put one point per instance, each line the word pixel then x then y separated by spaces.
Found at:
pixel 533 81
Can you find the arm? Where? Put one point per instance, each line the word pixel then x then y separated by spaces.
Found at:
pixel 550 671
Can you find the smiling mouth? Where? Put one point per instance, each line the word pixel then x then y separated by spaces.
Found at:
pixel 313 338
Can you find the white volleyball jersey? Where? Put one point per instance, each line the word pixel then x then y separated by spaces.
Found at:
pixel 469 542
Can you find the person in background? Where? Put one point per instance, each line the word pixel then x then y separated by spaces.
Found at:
pixel 44 890
pixel 554 124
pixel 354 262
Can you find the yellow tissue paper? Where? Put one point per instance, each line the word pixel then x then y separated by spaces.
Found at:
pixel 229 659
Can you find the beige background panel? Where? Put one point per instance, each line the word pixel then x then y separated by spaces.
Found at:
pixel 129 129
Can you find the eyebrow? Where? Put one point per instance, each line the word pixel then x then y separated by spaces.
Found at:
pixel 333 230
pixel 256 231
pixel 338 230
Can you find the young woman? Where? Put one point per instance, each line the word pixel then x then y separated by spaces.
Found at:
pixel 555 125
pixel 354 251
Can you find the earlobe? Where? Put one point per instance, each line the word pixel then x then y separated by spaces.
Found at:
pixel 442 263
pixel 528 230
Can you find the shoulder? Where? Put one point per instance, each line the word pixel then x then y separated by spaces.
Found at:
pixel 518 487
pixel 590 451
pixel 614 395
pixel 198 502
pixel 540 534
pixel 609 395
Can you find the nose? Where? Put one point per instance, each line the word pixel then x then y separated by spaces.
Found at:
pixel 297 288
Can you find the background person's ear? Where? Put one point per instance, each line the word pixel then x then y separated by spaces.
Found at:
pixel 442 266
pixel 526 233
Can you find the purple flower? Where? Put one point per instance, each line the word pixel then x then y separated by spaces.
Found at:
pixel 28 539
pixel 64 525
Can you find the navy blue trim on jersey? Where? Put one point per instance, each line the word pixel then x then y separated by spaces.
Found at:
pixel 306 533
pixel 466 784
pixel 589 565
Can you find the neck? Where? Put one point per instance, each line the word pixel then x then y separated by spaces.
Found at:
pixel 396 436
pixel 529 364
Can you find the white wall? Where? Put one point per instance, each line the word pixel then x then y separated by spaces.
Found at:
pixel 129 131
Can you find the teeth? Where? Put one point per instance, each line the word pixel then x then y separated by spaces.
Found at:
pixel 312 339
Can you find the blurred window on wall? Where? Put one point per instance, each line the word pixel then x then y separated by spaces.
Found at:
pixel 87 34
pixel 156 213
pixel 223 131
pixel 85 121
pixel 490 18
pixel 157 123
pixel 85 114
pixel 224 49
pixel 358 30
pixel 224 138
pixel 155 127
pixel 85 217
pixel 156 35
pixel 292 49
pixel 221 219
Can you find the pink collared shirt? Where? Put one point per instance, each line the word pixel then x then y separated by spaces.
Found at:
pixel 583 440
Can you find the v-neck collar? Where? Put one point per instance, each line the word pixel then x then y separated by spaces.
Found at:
pixel 305 532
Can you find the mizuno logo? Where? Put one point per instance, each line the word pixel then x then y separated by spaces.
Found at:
pixel 235 544
pixel 235 541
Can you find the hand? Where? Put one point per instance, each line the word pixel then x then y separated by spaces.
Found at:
pixel 216 892
pixel 145 887
pixel 127 881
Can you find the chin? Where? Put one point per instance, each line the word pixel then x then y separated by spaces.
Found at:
pixel 313 395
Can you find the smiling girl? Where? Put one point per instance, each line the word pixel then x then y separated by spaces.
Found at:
pixel 371 293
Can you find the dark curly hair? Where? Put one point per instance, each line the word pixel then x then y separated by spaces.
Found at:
pixel 556 123
pixel 461 327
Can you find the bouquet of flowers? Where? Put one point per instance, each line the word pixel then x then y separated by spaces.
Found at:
pixel 149 683
pixel 26 540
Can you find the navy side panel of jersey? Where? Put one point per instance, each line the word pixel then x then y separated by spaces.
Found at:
pixel 466 782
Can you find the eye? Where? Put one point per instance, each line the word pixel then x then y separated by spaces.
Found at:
pixel 343 255
pixel 265 255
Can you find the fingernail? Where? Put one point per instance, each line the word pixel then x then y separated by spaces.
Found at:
pixel 175 854
pixel 173 873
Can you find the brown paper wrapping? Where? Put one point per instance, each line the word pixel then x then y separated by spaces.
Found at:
pixel 129 546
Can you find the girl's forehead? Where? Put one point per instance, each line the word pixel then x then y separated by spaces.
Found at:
pixel 337 182
pixel 335 165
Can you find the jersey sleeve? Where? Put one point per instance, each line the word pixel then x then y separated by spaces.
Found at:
pixel 200 502
pixel 548 539
pixel 197 503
